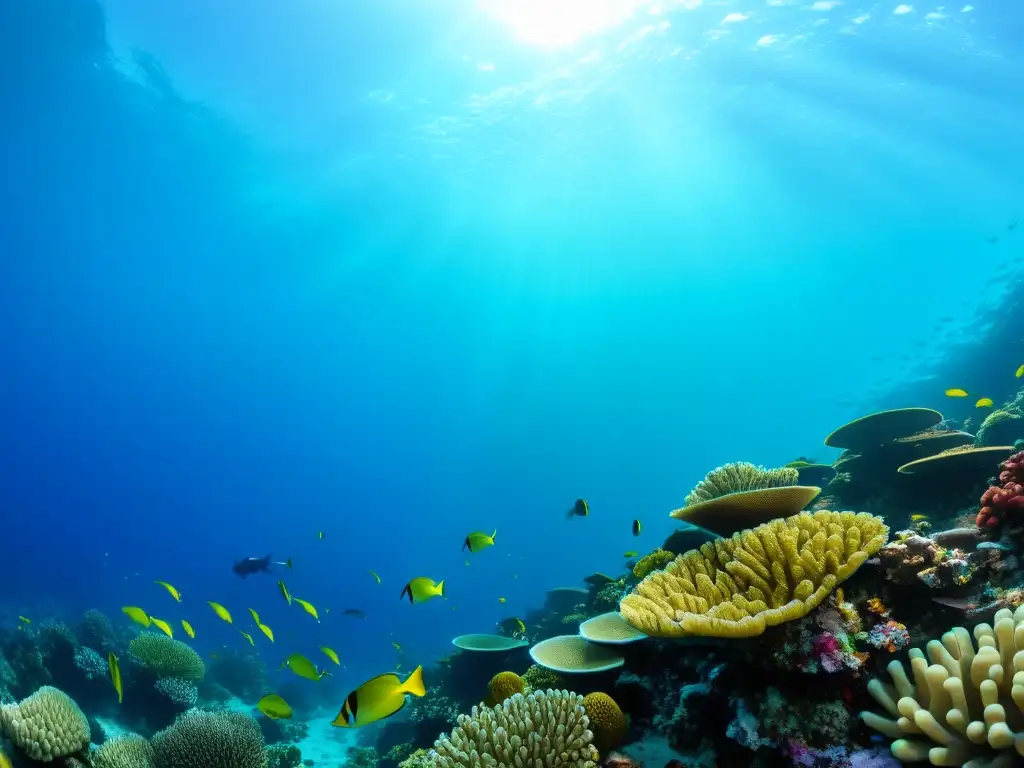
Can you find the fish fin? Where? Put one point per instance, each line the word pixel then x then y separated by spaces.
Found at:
pixel 406 590
pixel 414 683
pixel 440 587
pixel 465 544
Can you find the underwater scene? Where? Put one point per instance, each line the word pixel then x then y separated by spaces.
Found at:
pixel 511 384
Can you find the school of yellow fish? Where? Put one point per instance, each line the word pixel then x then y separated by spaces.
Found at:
pixel 982 402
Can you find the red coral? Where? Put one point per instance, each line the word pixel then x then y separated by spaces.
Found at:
pixel 999 501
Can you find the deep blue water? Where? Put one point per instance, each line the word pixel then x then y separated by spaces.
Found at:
pixel 399 270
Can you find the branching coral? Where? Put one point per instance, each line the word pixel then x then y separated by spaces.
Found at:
pixel 548 728
pixel 737 587
pixel 90 662
pixel 212 740
pixel 1007 499
pixel 167 657
pixel 46 726
pixel 181 692
pixel 961 708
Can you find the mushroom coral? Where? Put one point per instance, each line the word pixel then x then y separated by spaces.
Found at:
pixel 737 587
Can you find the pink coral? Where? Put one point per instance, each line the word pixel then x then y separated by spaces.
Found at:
pixel 999 501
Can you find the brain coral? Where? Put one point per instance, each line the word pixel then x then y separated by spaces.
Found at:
pixel 606 721
pixel 167 657
pixel 124 752
pixel 46 726
pixel 210 740
pixel 961 708
pixel 546 728
pixel 502 686
pixel 736 587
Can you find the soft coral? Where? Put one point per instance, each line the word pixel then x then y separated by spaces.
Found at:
pixel 999 500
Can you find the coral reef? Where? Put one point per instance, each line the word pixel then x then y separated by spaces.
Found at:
pixel 607 722
pixel 1005 501
pixel 167 657
pixel 212 740
pixel 502 686
pixel 130 751
pixel 46 725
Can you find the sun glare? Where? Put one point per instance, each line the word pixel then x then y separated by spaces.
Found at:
pixel 558 23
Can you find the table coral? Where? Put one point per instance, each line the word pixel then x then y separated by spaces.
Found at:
pixel 774 573
pixel 1006 500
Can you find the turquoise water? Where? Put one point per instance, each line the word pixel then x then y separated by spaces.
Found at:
pixel 400 271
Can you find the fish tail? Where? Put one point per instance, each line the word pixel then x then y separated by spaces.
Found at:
pixel 414 684
pixel 440 587
pixel 494 535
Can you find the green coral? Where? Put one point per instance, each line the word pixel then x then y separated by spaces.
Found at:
pixel 421 758
pixel 608 596
pixel 541 678
pixel 211 740
pixel 283 756
pixel 129 751
pixel 576 618
pixel 361 757
pixel 167 657
pixel 655 561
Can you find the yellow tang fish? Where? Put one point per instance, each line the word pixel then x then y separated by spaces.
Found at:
pixel 918 518
pixel 303 667
pixel 136 614
pixel 501 599
pixel 1020 372
pixel 170 588
pixel 255 616
pixel 188 629
pixel 374 574
pixel 378 698
pixel 631 553
pixel 956 392
pixel 985 402
pixel 266 631
pixel 115 675
pixel 162 625
pixel 284 591
pixel 274 707
pixel 5 761
pixel 220 610
pixel 308 608
pixel 422 589
pixel 330 654
pixel 23 620
pixel 520 625
pixel 248 637
pixel 479 540
pixel 637 527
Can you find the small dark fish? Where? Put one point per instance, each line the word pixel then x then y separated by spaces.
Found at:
pixel 354 613
pixel 252 565
pixel 637 527
pixel 579 509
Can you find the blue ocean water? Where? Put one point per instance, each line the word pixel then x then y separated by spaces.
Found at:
pixel 400 271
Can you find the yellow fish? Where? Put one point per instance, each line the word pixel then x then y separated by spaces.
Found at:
pixel 320 535
pixel 170 588
pixel 985 402
pixel 1020 372
pixel 255 616
pixel 478 540
pixel 330 654
pixel 918 518
pixel 284 591
pixel 248 637
pixel 520 626
pixel 188 628
pixel 303 667
pixel 422 589
pixel 5 761
pixel 136 614
pixel 220 610
pixel 397 646
pixel 266 631
pixel 501 599
pixel 374 574
pixel 631 553
pixel 115 675
pixel 23 620
pixel 956 392
pixel 308 608
pixel 274 707
pixel 378 698
pixel 162 625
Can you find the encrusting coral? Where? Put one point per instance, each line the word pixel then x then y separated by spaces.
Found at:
pixel 774 573
pixel 129 751
pixel 545 728
pixel 959 710
pixel 167 657
pixel 47 725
